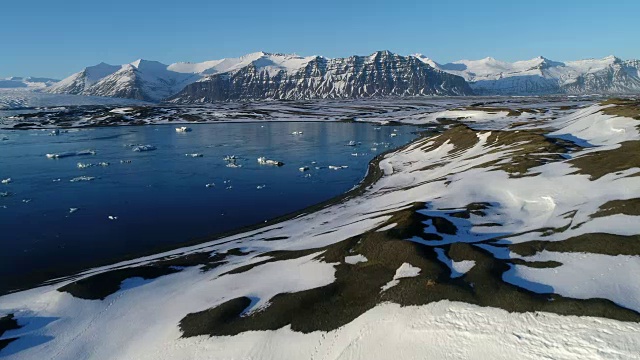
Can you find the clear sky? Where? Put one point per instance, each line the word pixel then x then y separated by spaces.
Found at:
pixel 58 37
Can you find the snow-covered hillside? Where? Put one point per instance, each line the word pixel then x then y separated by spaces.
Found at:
pixel 540 75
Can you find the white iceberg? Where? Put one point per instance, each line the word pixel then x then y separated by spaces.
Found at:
pixel 6 181
pixel 70 153
pixel 141 148
pixel 333 167
pixel 111 217
pixel 194 155
pixel 264 161
pixel 183 129
pixel 210 185
pixel 260 187
pixel 72 210
pixel 352 143
pixel 82 178
pixel 296 133
pixel 304 168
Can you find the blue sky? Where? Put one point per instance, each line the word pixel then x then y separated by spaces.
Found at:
pixel 56 38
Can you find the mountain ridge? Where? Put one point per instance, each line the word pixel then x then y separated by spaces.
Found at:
pixel 252 76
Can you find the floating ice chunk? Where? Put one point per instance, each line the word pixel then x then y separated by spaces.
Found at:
pixel 377 128
pixel 264 161
pixel 395 130
pixel 307 175
pixel 183 129
pixel 111 217
pixel 194 155
pixel 304 168
pixel 72 210
pixel 141 148
pixel 354 259
pixel 352 143
pixel 233 165
pixel 332 167
pixel 210 185
pixel 57 180
pixel 4 138
pixel 394 134
pixel 6 181
pixel 5 194
pixel 55 132
pixel 125 161
pixel 313 162
pixel 296 133
pixel 404 271
pixel 230 158
pixel 82 178
pixel 260 187
pixel 103 164
pixel 26 201
pixel 84 166
pixel 71 153
pixel 229 187
pixel 374 149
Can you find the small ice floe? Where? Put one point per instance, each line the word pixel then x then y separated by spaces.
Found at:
pixel 4 138
pixel 82 178
pixel 352 143
pixel 314 162
pixel 395 130
pixel 374 149
pixel 5 194
pixel 304 168
pixel 111 217
pixel 183 129
pixel 26 201
pixel 227 181
pixel 264 161
pixel 209 185
pixel 296 133
pixel 393 135
pixel 6 181
pixel 332 167
pixel 84 166
pixel 103 164
pixel 55 132
pixel 377 128
pixel 72 210
pixel 57 180
pixel 194 155
pixel 307 175
pixel 230 158
pixel 71 153
pixel 260 187
pixel 125 161
pixel 229 187
pixel 358 154
pixel 141 148
pixel 233 165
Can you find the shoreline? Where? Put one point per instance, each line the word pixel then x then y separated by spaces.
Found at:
pixel 55 275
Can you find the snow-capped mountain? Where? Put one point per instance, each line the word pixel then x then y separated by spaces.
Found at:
pixel 275 76
pixel 265 76
pixel 537 76
pixel 31 83
pixel 141 80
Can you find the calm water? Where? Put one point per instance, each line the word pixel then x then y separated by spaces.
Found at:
pixel 160 197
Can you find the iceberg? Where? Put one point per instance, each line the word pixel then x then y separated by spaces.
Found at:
pixel 6 181
pixel 264 161
pixel 183 129
pixel 82 178
pixel 304 168
pixel 71 153
pixel 194 155
pixel 141 148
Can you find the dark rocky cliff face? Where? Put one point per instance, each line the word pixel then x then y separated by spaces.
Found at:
pixel 381 74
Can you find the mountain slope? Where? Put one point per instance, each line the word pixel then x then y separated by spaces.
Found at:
pixel 539 76
pixel 278 77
